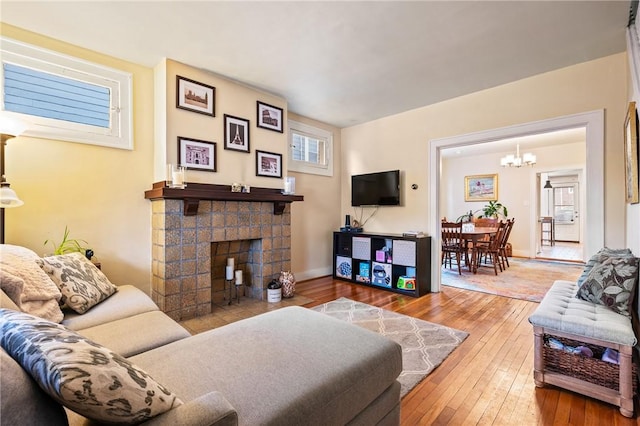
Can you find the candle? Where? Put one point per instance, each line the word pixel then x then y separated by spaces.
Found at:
pixel 238 277
pixel 287 186
pixel 229 273
pixel 178 176
pixel 230 262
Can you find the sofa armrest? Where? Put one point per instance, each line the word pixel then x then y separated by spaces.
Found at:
pixel 209 409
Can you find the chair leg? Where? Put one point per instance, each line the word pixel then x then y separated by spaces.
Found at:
pixel 458 258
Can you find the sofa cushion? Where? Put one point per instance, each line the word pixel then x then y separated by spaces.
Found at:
pixel 289 366
pixel 139 333
pixel 80 374
pixel 81 283
pixel 22 402
pixel 602 254
pixel 126 302
pixel 560 310
pixel 611 283
pixel 23 281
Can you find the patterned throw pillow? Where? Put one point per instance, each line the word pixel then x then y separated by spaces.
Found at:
pixel 81 283
pixel 611 283
pixel 80 374
pixel 603 254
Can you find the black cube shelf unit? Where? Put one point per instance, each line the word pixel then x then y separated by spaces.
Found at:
pixel 388 261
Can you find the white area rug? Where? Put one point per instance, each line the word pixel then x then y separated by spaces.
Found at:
pixel 424 344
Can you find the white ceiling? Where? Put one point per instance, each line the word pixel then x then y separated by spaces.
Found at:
pixel 342 62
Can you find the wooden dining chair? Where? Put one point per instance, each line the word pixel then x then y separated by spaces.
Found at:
pixel 505 240
pixel 486 222
pixel 489 254
pixel 453 245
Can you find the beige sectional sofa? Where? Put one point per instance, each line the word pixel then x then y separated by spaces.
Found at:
pixel 291 366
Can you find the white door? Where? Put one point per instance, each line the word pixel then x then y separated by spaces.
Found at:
pixel 566 212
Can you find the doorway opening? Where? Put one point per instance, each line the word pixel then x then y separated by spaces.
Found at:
pixel 560 203
pixel 592 122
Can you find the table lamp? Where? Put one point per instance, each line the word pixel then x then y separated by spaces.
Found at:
pixel 9 128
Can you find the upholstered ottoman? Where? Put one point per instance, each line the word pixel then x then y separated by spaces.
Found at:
pixel 563 316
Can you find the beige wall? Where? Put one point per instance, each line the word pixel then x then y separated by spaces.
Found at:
pixel 317 217
pixel 401 141
pixel 98 192
pixel 516 186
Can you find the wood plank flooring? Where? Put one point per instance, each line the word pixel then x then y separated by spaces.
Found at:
pixel 488 380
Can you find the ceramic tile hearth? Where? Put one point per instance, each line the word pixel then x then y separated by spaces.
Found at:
pixel 189 252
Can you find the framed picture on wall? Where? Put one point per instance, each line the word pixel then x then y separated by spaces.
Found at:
pixel 481 188
pixel 268 164
pixel 631 154
pixel 236 133
pixel 270 117
pixel 195 154
pixel 194 96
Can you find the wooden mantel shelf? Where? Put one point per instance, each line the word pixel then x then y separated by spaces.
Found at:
pixel 194 192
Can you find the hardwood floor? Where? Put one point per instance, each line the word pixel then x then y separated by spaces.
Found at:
pixel 487 380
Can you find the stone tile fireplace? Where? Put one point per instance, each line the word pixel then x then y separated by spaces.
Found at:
pixel 190 249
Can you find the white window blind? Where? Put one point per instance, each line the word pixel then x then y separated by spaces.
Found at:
pixel 66 98
pixel 310 149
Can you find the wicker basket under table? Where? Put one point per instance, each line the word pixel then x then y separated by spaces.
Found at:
pixel 612 383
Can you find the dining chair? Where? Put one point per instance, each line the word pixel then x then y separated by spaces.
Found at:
pixel 490 251
pixel 505 240
pixel 453 245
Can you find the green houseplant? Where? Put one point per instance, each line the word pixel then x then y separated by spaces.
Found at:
pixel 494 210
pixel 70 245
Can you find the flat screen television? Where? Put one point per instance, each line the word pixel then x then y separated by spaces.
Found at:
pixel 376 189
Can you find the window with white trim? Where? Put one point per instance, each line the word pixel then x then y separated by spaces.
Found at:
pixel 66 98
pixel 310 149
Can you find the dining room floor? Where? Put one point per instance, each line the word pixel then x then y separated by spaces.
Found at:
pixel 564 251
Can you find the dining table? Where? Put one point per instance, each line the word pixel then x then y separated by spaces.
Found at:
pixel 472 237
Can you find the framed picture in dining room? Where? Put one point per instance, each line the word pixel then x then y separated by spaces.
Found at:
pixel 631 153
pixel 194 96
pixel 236 133
pixel 481 188
pixel 268 164
pixel 270 117
pixel 195 154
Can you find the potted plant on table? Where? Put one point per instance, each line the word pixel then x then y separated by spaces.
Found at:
pixel 495 210
pixel 70 245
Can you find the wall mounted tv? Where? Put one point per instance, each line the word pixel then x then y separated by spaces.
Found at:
pixel 376 189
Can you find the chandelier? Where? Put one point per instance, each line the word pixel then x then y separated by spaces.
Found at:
pixel 527 159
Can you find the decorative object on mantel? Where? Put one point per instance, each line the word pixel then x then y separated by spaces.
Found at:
pixel 289 185
pixel 176 176
pixel 236 187
pixel 195 192
pixel 527 159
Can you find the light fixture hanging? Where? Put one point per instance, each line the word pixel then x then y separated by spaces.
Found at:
pixel 527 159
pixel 547 185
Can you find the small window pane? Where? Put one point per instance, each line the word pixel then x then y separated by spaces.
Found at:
pixel 42 94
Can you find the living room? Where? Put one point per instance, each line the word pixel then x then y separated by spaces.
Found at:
pixel 84 186
pixel 98 192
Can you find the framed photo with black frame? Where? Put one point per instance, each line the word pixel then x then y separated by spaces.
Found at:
pixel 631 154
pixel 195 154
pixel 236 133
pixel 194 96
pixel 268 164
pixel 270 117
